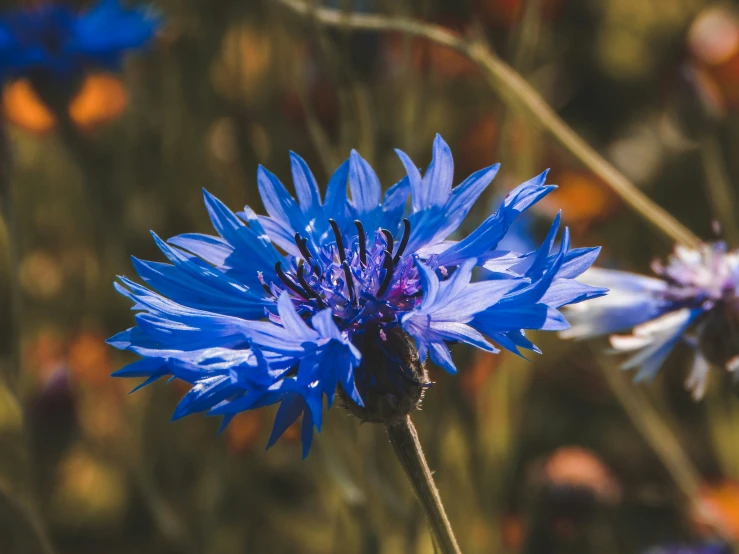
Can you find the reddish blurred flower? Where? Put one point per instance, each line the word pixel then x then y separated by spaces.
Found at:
pixel 479 144
pixel 513 531
pixel 713 42
pixel 573 468
pixel 428 57
pixel 506 13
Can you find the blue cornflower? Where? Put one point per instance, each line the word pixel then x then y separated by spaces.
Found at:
pixel 695 299
pixel 343 295
pixel 54 41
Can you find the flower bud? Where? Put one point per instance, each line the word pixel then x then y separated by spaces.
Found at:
pixel 391 379
pixel 718 334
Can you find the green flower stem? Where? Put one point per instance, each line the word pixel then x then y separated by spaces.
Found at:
pixel 404 438
pixel 517 93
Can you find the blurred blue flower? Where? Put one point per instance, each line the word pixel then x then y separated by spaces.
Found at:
pixel 54 40
pixel 702 548
pixel 695 299
pixel 340 295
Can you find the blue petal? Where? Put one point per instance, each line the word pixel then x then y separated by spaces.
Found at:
pixel 364 185
pixel 437 181
pixel 393 206
pixel 568 291
pixel 250 246
pixel 632 299
pixel 277 201
pixel 435 223
pixel 653 341
pixel 536 316
pixel 205 394
pixel 289 411
pixel 415 181
pixel 492 230
pixel 306 187
pixel 213 250
pixel 335 203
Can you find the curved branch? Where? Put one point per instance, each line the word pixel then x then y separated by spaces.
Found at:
pixel 517 92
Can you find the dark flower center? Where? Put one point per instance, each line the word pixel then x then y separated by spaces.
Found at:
pixel 365 280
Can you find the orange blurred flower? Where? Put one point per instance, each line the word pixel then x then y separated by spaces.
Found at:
pixel 102 98
pixel 474 377
pixel 583 198
pixel 244 431
pixel 88 358
pixel 85 355
pixel 718 504
pixel 23 107
pixel 44 354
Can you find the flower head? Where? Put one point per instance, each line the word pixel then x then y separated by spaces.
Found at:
pixel 695 298
pixel 343 295
pixel 54 41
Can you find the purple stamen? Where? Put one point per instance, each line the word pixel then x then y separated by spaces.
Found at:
pixel 304 283
pixel 349 281
pixel 302 245
pixel 403 241
pixel 362 242
pixel 388 240
pixel 289 282
pixel 264 284
pixel 339 241
pixel 387 264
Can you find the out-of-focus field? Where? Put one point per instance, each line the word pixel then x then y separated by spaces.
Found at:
pixel 531 456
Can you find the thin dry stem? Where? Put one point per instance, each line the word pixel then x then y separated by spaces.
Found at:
pixel 516 92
